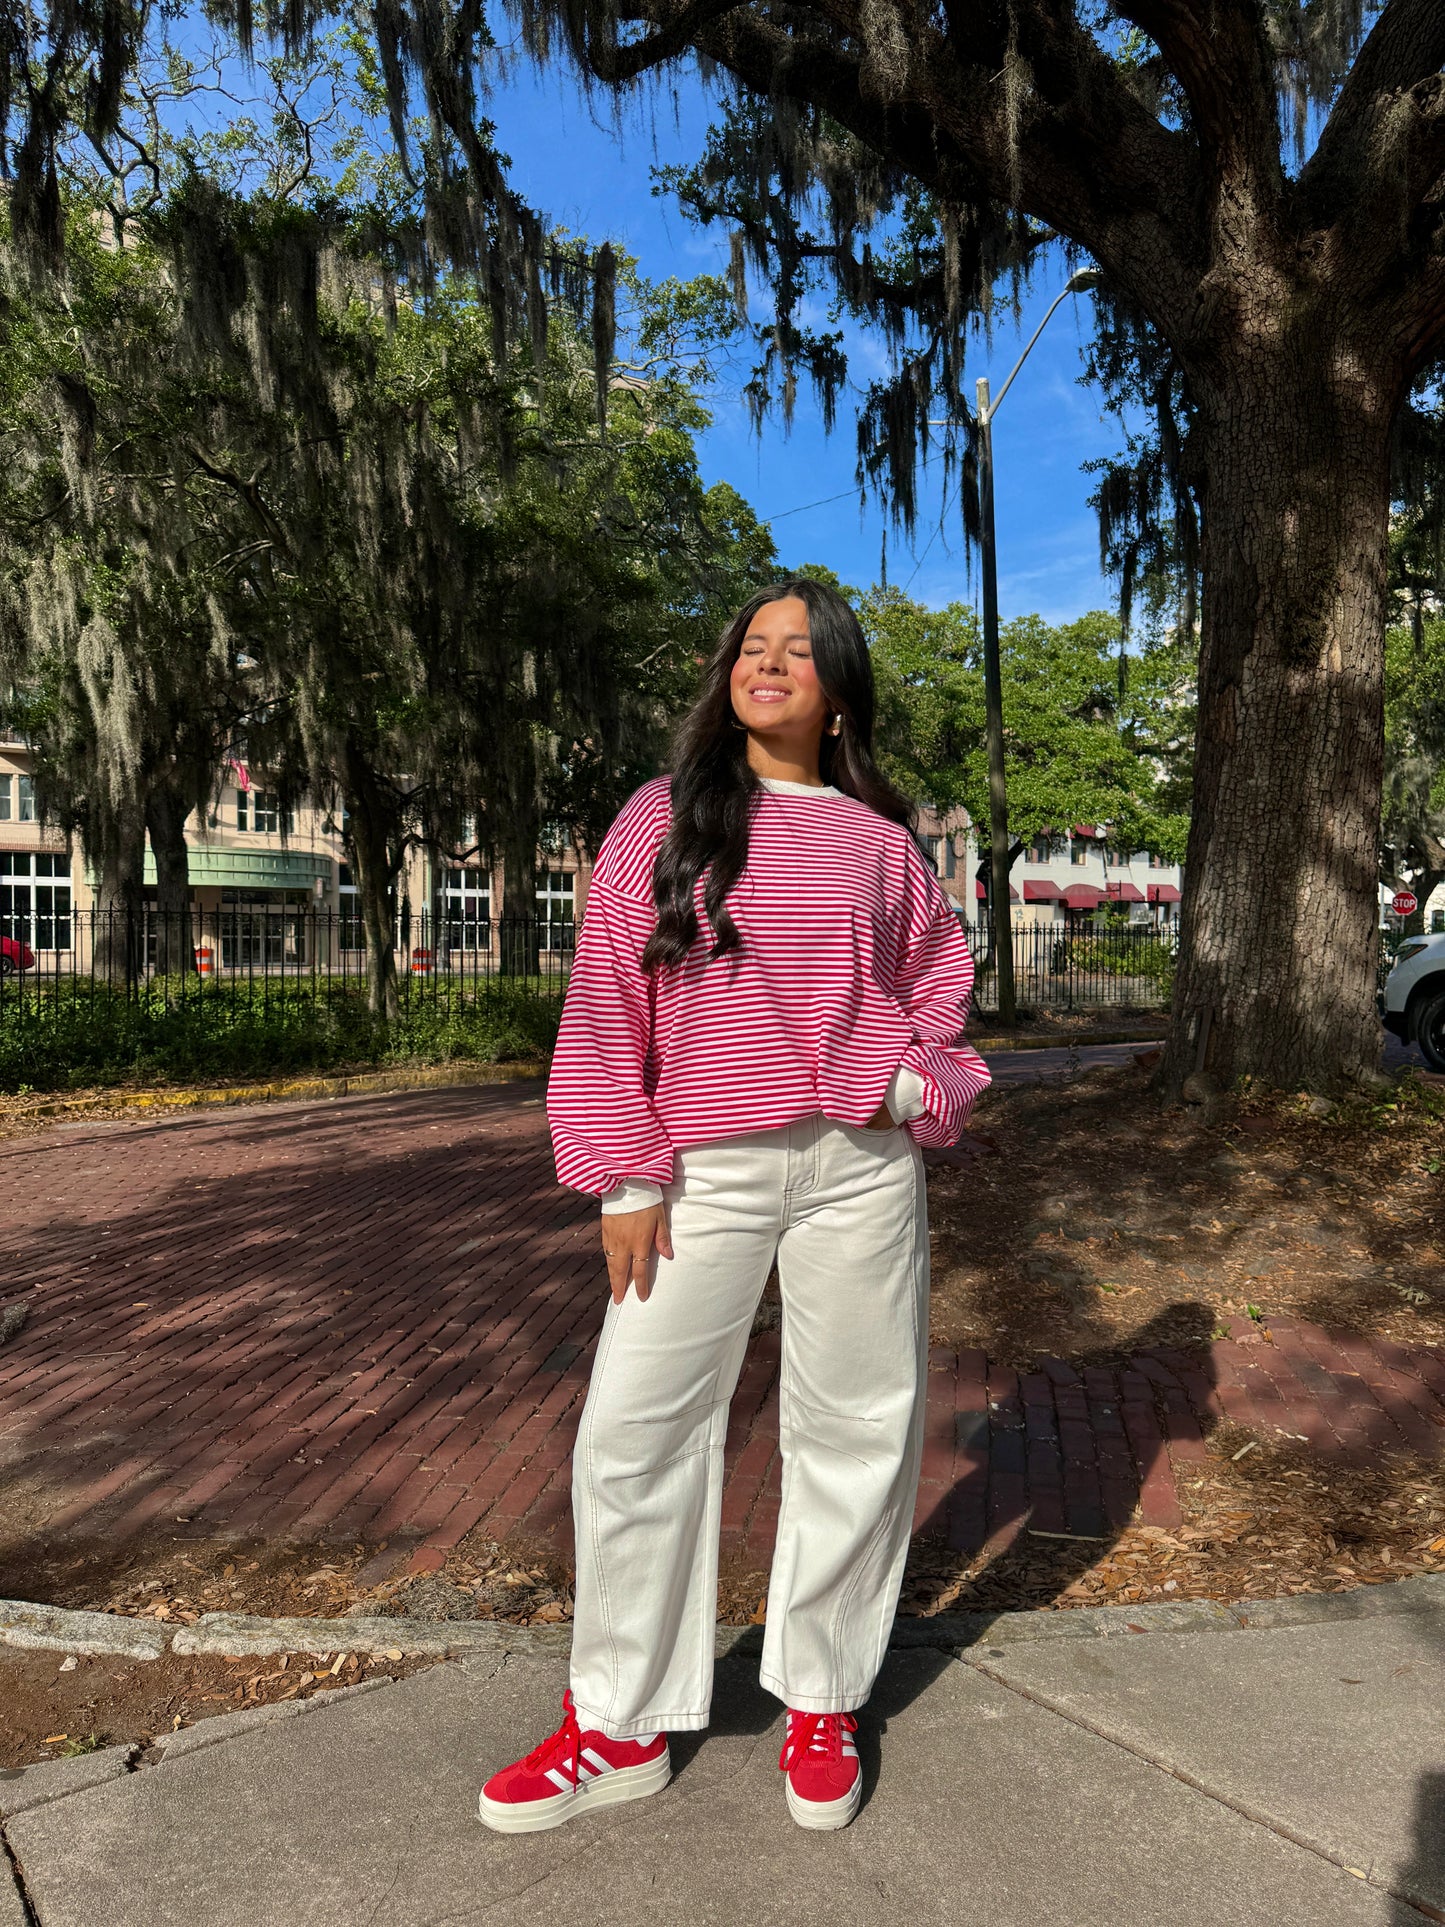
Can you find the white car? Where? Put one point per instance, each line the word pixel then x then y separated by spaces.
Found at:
pixel 1412 1004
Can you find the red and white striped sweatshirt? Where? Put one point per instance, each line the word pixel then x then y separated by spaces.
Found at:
pixel 852 984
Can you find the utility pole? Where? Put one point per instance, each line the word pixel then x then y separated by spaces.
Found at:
pixel 1000 915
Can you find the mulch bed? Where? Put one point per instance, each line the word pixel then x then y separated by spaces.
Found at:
pixel 1086 1220
pixel 54 1708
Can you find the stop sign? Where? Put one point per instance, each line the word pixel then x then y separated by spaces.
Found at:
pixel 1404 903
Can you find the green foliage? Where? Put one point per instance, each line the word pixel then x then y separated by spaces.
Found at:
pixel 1074 752
pixel 1140 957
pixel 94 1034
pixel 1413 832
pixel 282 475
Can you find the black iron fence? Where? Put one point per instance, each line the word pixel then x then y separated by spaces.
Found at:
pixel 1079 965
pixel 259 951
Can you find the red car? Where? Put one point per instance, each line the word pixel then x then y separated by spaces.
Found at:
pixel 15 956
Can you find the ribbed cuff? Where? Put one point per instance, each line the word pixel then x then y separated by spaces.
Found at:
pixel 633 1194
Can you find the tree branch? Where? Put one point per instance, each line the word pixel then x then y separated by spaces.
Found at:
pixel 1405 50
pixel 1225 67
pixel 1133 200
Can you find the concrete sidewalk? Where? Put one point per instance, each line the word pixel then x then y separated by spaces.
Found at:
pixel 1249 1777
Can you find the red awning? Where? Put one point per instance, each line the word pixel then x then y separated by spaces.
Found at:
pixel 981 893
pixel 1163 893
pixel 1086 829
pixel 1042 892
pixel 1083 896
pixel 1124 892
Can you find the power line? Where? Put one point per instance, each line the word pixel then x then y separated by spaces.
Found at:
pixel 783 514
pixel 931 540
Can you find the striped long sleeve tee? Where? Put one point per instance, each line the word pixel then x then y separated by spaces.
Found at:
pixel 853 968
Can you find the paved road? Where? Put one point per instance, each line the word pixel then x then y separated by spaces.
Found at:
pixel 1226 1776
pixel 374 1318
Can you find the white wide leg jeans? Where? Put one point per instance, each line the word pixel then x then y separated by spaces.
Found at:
pixel 844 1211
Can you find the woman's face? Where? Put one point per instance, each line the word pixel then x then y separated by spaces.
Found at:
pixel 775 689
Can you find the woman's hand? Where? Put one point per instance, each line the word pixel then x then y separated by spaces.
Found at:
pixel 629 1239
pixel 881 1120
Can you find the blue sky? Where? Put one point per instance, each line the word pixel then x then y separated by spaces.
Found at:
pixel 570 162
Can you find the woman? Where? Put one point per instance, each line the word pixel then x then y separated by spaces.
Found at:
pixel 760 1031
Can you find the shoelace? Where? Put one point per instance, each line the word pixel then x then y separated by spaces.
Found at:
pixel 815 1733
pixel 564 1744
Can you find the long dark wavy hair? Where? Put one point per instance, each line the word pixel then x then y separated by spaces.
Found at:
pixel 715 789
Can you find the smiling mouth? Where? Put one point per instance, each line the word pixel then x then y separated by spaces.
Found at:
pixel 768 695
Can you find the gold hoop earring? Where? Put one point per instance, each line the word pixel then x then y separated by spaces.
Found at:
pixel 837 729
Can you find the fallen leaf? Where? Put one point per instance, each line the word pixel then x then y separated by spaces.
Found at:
pixel 54 1739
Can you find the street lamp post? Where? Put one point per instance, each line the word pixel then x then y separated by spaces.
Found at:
pixel 1000 916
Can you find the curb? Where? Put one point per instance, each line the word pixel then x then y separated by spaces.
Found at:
pixel 1084 1042
pixel 420 1078
pixel 351 1084
pixel 242 1636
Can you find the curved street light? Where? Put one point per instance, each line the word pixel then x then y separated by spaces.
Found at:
pixel 1000 918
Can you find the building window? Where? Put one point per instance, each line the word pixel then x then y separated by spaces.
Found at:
pixel 13 790
pixel 263 929
pixel 950 858
pixel 930 850
pixel 554 909
pixel 35 904
pixel 1080 851
pixel 1157 862
pixel 467 904
pixel 260 811
pixel 1040 850
pixel 351 932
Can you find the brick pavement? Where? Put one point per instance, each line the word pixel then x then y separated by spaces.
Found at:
pixel 373 1319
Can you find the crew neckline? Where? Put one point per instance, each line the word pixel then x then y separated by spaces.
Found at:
pixel 781 786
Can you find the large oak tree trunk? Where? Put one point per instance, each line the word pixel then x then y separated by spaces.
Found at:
pixel 1279 938
pixel 166 812
pixel 120 867
pixel 375 883
pixel 520 954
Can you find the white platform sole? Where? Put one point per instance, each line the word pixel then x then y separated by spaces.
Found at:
pixel 608 1790
pixel 825 1816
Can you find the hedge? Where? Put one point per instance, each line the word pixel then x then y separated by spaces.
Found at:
pixel 95 1034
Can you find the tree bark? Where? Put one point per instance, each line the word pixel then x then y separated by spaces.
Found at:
pixel 166 812
pixel 1279 942
pixel 521 937
pixel 375 878
pixel 120 862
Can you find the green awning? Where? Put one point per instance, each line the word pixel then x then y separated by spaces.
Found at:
pixel 250 869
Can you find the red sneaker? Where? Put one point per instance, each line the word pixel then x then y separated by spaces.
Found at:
pixel 821 1762
pixel 571 1773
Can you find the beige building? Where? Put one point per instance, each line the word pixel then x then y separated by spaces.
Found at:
pixel 268 890
pixel 277 893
